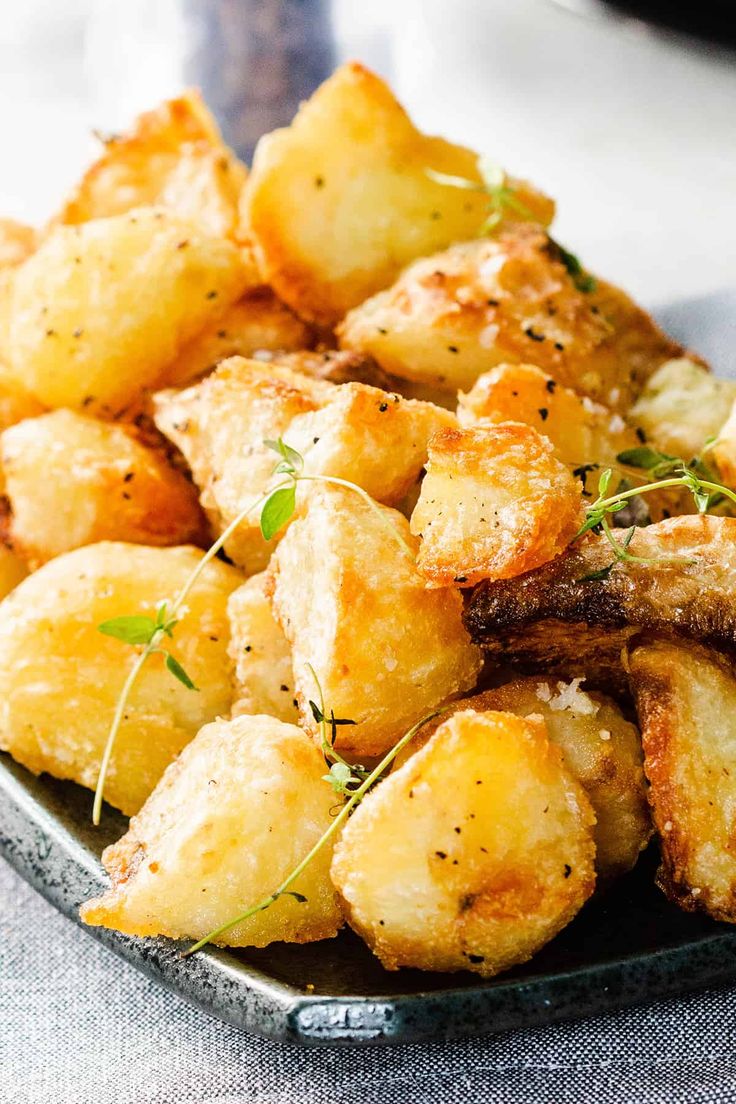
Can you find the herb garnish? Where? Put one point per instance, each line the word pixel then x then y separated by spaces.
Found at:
pixel 583 280
pixel 494 184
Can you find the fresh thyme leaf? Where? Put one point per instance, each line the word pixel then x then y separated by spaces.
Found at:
pixel 292 461
pixel 292 893
pixel 583 280
pixel 277 509
pixel 137 629
pixel 178 672
pixel 316 712
pixel 604 480
pixel 602 573
pixel 644 457
pixel 339 776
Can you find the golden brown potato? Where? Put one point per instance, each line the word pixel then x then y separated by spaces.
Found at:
pixel 599 747
pixel 351 603
pixel 495 502
pixel 71 480
pixel 173 157
pixel 229 820
pixel 724 449
pixel 354 167
pixel 452 316
pixel 15 405
pixel 474 854
pixel 375 439
pixel 682 405
pixel 99 312
pixel 686 699
pixel 12 570
pixel 16 242
pixel 256 323
pixel 261 653
pixel 60 678
pixel 335 366
pixel 578 615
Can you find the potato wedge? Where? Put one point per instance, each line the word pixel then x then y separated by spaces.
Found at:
pixel 600 748
pixel 71 480
pixel 229 820
pixel 60 678
pixel 511 299
pixel 686 699
pixel 474 854
pixel 173 157
pixel 354 167
pixel 375 439
pixel 81 339
pixel 495 502
pixel 261 654
pixel 17 242
pixel 352 605
pixel 568 618
pixel 682 405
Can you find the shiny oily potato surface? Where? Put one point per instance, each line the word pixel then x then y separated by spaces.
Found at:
pixel 60 678
pixel 236 812
pixel 682 405
pixel 261 654
pixel 474 854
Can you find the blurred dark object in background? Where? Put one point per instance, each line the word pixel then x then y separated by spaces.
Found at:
pixel 714 20
pixel 256 60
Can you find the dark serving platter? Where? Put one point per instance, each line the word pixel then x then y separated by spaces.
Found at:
pixel 627 946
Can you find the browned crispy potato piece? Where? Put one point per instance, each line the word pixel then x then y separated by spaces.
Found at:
pixel 375 439
pixel 724 449
pixel 257 323
pixel 71 480
pixel 173 156
pixel 335 366
pixel 686 699
pixel 352 604
pixel 354 167
pixel 241 806
pixel 600 748
pixel 682 405
pixel 495 502
pixel 17 242
pixel 12 570
pixel 574 617
pixel 261 653
pixel 100 311
pixel 452 316
pixel 15 405
pixel 60 678
pixel 474 854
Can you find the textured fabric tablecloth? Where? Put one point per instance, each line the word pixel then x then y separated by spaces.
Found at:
pixel 79 1026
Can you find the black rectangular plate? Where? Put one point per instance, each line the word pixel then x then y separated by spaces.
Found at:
pixel 626 947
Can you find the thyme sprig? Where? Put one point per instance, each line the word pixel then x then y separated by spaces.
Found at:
pixel 374 776
pixel 493 184
pixel 344 777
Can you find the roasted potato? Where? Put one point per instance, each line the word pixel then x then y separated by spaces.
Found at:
pixel 577 615
pixel 495 502
pixel 100 311
pixel 16 242
pixel 335 366
pixel 686 699
pixel 353 605
pixel 15 405
pixel 261 654
pixel 257 323
pixel 511 299
pixel 71 480
pixel 600 748
pixel 241 806
pixel 474 854
pixel 682 405
pixel 173 157
pixel 352 431
pixel 12 570
pixel 724 449
pixel 60 678
pixel 354 167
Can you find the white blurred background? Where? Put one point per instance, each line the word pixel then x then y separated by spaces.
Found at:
pixel 632 130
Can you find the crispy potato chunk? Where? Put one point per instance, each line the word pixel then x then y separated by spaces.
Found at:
pixel 241 806
pixel 575 617
pixel 682 405
pixel 173 157
pixel 15 405
pixel 261 653
pixel 375 439
pixel 12 570
pixel 452 316
pixel 495 502
pixel 257 323
pixel 686 699
pixel 724 449
pixel 98 313
pixel 72 480
pixel 354 167
pixel 16 242
pixel 474 854
pixel 600 748
pixel 352 604
pixel 60 678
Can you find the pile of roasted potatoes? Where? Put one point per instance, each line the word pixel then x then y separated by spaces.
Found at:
pixel 379 325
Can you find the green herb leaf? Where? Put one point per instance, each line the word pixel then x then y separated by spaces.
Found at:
pixel 178 672
pixel 292 893
pixel 131 630
pixel 339 776
pixel 277 509
pixel 603 481
pixel 316 712
pixel 602 573
pixel 644 457
pixel 583 280
pixel 291 460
